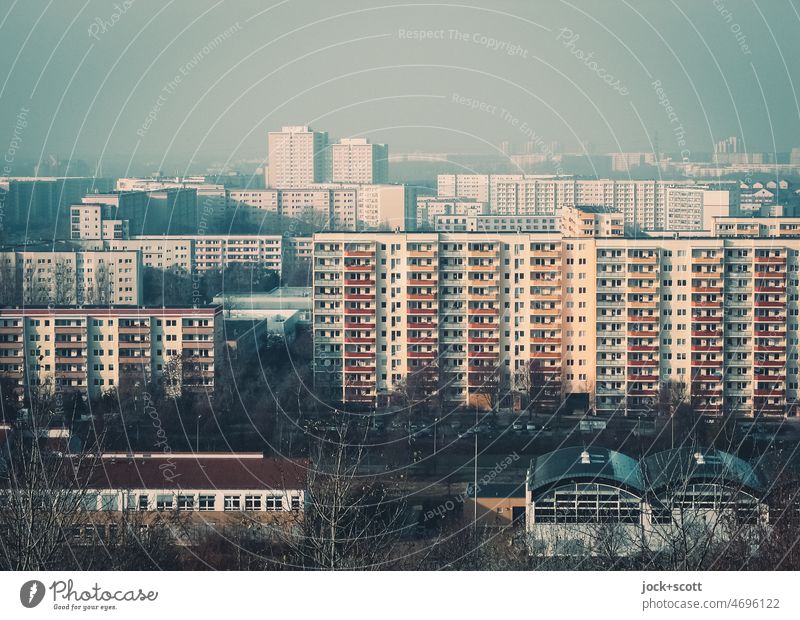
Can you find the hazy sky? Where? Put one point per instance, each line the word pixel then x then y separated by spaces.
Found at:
pixel 167 84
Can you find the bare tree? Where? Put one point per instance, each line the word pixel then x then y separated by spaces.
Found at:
pixel 9 281
pixel 99 291
pixel 64 284
pixel 351 520
pixel 34 292
pixel 44 490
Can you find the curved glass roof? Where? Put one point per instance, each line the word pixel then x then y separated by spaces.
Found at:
pixel 659 471
pixel 681 466
pixel 578 464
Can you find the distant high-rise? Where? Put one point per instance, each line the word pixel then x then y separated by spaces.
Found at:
pixel 728 145
pixel 297 157
pixel 356 160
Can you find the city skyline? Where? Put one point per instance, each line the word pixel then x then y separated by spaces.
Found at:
pixel 463 79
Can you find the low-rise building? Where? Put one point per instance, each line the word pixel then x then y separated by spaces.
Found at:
pixel 596 501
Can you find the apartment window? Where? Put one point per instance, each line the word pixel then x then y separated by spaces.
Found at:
pixel 143 503
pixel 109 503
pixel 295 502
pixel 232 502
pixel 164 502
pixel 274 502
pixel 206 503
pixel 185 502
pixel 89 502
pixel 252 502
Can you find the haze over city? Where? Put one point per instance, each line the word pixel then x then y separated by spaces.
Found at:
pixel 502 287
pixel 142 86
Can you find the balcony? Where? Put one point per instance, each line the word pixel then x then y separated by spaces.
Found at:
pixel 551 341
pixel 771 289
pixel 421 311
pixel 420 297
pixel 769 319
pixel 423 282
pixel 706 349
pixel 360 340
pixel 369 326
pixel 419 340
pixel 421 354
pixel 770 260
pixel 636 318
pixel 359 268
pixel 359 297
pixel 707 363
pixel 762 348
pixel 706 319
pixel 359 355
pixel 706 333
pixel 364 282
pixel 359 369
pixel 643 334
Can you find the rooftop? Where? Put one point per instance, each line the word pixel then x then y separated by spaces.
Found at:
pixel 198 471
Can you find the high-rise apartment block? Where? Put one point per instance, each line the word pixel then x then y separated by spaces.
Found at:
pixel 70 277
pixel 646 205
pixel 94 350
pixel 298 157
pixel 96 221
pixel 335 206
pixel 356 160
pixel 200 253
pixel 617 320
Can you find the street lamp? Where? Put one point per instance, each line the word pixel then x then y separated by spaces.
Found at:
pixel 197 434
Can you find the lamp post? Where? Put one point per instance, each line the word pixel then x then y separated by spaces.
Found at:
pixel 197 434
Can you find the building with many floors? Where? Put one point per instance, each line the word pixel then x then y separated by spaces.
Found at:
pixel 646 205
pixel 334 206
pixel 96 221
pixel 70 277
pixel 615 319
pixel 356 160
pixel 297 156
pixel 97 349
